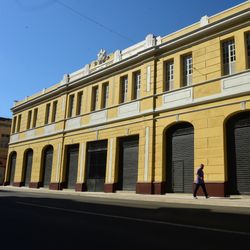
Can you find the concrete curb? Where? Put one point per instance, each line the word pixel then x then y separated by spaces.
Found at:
pixel 232 201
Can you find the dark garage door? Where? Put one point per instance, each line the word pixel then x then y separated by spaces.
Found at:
pixel 47 168
pixel 128 163
pixel 12 167
pixel 180 158
pixel 71 166
pixel 96 165
pixel 238 153
pixel 28 167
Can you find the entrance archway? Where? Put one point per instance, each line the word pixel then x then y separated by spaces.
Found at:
pixel 238 153
pixel 28 159
pixel 47 166
pixel 180 158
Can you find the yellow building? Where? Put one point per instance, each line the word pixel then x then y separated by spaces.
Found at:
pixel 142 119
pixel 5 124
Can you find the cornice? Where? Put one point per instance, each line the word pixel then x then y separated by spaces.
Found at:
pixel 214 28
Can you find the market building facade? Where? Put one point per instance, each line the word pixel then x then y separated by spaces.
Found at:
pixel 142 119
pixel 5 124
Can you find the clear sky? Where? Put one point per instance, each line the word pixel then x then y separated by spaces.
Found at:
pixel 42 40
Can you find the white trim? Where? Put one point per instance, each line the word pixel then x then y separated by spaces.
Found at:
pixel 146 152
pixel 73 123
pixel 144 51
pixel 58 162
pixel 82 155
pixel 129 109
pixel 110 160
pixel 178 98
pixel 98 117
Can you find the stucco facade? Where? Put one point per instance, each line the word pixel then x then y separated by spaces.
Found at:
pixel 142 92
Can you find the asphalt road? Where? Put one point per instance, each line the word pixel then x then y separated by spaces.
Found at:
pixel 51 221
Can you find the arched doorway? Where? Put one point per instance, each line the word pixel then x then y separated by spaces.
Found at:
pixel 47 166
pixel 72 152
pixel 180 158
pixel 238 153
pixel 12 167
pixel 28 158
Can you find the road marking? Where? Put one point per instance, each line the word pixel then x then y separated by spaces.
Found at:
pixel 136 219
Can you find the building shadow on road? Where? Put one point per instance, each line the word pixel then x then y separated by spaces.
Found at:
pixel 52 222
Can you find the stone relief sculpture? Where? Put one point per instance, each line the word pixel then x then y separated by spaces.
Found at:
pixel 102 56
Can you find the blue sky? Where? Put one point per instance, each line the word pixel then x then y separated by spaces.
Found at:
pixel 44 39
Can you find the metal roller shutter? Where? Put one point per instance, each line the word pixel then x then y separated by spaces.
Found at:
pixel 128 163
pixel 28 167
pixel 12 168
pixel 180 158
pixel 96 165
pixel 72 166
pixel 47 169
pixel 238 151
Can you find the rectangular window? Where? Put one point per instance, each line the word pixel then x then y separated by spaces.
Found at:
pixel 47 113
pixel 136 84
pixel 71 106
pixel 29 119
pixel 14 125
pixel 124 89
pixel 34 118
pixel 79 103
pixel 105 95
pixel 169 75
pixel 94 98
pixel 18 123
pixel 229 57
pixel 187 70
pixel 54 110
pixel 248 49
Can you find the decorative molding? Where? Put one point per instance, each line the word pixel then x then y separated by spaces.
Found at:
pixel 150 41
pixel 133 50
pixel 102 56
pixel 14 138
pixel 98 117
pixel 86 69
pixel 236 84
pixel 117 56
pixel 73 123
pixel 204 21
pixel 130 109
pixel 178 98
pixel 65 80
pixel 243 105
pixel 29 134
pixel 49 129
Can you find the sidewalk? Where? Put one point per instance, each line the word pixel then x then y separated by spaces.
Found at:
pixel 232 201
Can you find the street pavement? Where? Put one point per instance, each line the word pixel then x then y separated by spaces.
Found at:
pixel 46 219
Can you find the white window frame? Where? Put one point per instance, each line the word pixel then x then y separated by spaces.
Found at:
pixel 229 57
pixel 169 81
pixel 187 70
pixel 137 85
pixel 124 89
